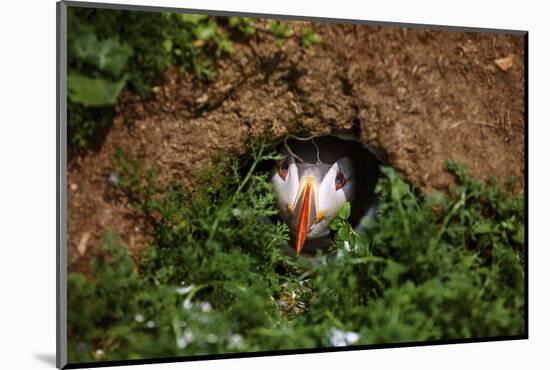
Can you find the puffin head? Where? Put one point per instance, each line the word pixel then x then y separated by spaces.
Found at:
pixel 310 195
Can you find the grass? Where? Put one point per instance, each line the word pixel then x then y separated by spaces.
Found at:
pixel 214 279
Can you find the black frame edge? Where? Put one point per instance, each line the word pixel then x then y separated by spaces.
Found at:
pixel 238 355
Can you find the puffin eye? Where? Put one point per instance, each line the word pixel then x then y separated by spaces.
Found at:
pixel 283 169
pixel 340 180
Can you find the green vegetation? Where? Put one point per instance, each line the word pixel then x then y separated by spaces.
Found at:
pixel 214 279
pixel 109 50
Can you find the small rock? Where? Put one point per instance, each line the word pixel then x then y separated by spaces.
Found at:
pixel 469 47
pixel 113 178
pixel 74 187
pixel 505 63
pixel 202 99
pixel 83 243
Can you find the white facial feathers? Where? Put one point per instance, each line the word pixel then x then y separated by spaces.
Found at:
pixel 286 183
pixel 336 188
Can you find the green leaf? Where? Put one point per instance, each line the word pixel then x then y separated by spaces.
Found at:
pixel 224 46
pixel 107 55
pixel 483 228
pixel 167 45
pixel 192 18
pixel 343 233
pixel 519 236
pixel 345 211
pixel 85 45
pixel 206 31
pixel 243 24
pixel 336 223
pixel 93 92
pixel 309 37
pixel 280 31
pixel 112 56
pixel 393 271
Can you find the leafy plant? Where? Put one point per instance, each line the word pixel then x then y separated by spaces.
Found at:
pixel 280 31
pixel 105 55
pixel 309 37
pixel 244 25
pixel 93 92
pixel 214 279
pixel 427 269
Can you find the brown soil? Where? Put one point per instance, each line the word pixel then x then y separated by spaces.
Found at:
pixel 415 97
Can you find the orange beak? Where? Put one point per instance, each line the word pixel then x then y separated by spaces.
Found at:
pixel 303 224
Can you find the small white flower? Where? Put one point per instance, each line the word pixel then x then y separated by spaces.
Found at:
pixel 181 343
pixel 188 334
pixel 184 290
pixel 206 307
pixel 139 317
pixel 352 337
pixel 150 324
pixel 236 212
pixel 346 245
pixel 235 341
pixel 339 338
pixel 185 339
pixel 187 305
pixel 99 352
pixel 349 248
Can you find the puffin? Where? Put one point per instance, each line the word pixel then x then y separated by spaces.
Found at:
pixel 314 179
